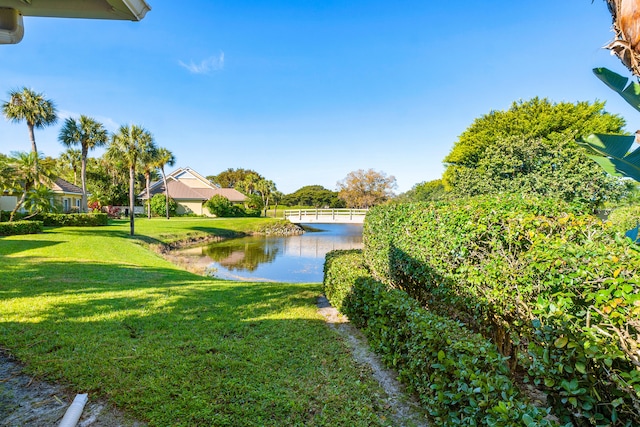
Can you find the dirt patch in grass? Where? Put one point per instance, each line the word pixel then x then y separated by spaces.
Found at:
pixel 25 401
pixel 406 409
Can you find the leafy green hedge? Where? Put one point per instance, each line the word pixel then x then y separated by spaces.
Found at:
pixel 20 227
pixel 74 220
pixel 341 269
pixel 460 377
pixel 556 292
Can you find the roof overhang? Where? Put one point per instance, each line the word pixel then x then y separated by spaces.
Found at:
pixel 12 11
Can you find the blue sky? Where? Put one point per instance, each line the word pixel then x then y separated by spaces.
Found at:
pixel 305 92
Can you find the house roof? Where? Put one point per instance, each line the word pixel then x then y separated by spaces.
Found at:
pixel 132 10
pixel 12 11
pixel 59 185
pixel 180 191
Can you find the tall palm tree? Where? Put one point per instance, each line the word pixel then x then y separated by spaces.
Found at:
pixel 128 143
pixel 165 157
pixel 266 188
pixel 26 105
pixel 147 161
pixel 71 158
pixel 89 134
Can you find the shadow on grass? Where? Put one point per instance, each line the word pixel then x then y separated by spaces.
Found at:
pixel 177 349
pixel 9 247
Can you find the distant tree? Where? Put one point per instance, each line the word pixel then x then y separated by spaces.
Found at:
pixel 531 148
pixel 314 195
pixel 70 159
pixel 147 162
pixel 424 192
pixel 88 134
pixel 32 107
pixel 253 205
pixel 110 174
pixel 165 157
pixel 277 197
pixel 364 189
pixel 248 184
pixel 231 177
pixel 265 188
pixel 128 143
pixel 107 180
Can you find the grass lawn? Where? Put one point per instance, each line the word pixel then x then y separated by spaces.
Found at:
pixel 91 309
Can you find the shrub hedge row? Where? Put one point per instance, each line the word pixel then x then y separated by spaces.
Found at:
pixel 460 377
pixel 74 220
pixel 556 292
pixel 20 227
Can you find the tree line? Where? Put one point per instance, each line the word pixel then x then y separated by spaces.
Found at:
pixel 131 148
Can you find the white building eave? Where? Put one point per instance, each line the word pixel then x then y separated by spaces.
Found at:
pixel 12 11
pixel 131 10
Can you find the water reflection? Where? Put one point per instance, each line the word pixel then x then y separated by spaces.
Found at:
pixel 241 254
pixel 282 259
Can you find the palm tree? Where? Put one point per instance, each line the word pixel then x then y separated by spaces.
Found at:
pixel 38 200
pixel 266 188
pixel 72 158
pixel 128 143
pixel 147 161
pixel 89 134
pixel 28 176
pixel 31 107
pixel 626 44
pixel 165 157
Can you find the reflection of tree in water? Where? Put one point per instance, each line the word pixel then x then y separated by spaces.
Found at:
pixel 242 254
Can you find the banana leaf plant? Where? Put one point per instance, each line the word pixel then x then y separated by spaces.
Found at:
pixel 616 154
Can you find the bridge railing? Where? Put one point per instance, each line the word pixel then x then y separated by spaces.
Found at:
pixel 336 215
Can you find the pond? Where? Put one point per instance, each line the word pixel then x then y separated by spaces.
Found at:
pixel 293 259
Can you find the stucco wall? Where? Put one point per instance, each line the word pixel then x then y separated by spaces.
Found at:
pixel 7 203
pixel 186 207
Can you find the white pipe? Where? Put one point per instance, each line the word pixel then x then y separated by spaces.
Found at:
pixel 74 411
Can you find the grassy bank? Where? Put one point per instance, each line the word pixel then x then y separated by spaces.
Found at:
pixel 90 308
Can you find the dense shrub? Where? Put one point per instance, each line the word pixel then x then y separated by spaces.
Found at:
pixel 460 377
pixel 557 292
pixel 5 215
pixel 341 269
pixel 221 207
pixel 20 227
pixel 74 220
pixel 159 203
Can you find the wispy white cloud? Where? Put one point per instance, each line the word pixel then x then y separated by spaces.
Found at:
pixel 206 66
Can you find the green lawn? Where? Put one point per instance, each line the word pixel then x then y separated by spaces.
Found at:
pixel 91 309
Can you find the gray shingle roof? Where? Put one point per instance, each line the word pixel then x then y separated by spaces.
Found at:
pixel 61 186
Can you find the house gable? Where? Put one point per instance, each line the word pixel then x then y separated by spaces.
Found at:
pixel 187 186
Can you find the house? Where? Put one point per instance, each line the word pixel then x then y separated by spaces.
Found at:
pixel 67 197
pixel 190 190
